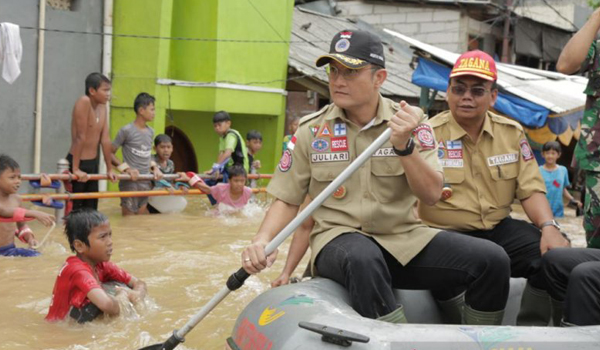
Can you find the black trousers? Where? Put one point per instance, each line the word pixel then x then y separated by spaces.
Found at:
pixel 521 241
pixel 573 276
pixel 451 260
pixel 90 166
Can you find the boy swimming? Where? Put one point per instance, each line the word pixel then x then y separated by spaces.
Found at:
pixel 78 290
pixel 11 212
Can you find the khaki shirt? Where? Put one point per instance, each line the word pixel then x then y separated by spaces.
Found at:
pixel 485 177
pixel 375 201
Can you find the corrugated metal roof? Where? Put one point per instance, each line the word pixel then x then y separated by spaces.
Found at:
pixel 557 92
pixel 311 36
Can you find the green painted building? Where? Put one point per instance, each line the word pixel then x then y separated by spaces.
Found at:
pixel 200 57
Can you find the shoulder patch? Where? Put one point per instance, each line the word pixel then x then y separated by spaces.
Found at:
pixel 313 115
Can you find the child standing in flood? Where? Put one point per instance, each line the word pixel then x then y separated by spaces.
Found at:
pixel 136 139
pixel 12 215
pixel 556 178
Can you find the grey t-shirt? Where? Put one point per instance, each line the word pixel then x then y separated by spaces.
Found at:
pixel 137 146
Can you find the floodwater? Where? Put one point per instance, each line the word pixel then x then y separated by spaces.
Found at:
pixel 184 259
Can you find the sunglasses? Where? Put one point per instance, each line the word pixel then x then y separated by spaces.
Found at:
pixel 348 74
pixel 475 91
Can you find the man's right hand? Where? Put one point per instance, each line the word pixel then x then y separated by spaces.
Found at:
pixel 135 174
pixel 254 259
pixel 45 219
pixel 112 176
pixel 81 175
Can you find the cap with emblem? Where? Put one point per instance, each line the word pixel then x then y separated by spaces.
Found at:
pixel 476 63
pixel 354 49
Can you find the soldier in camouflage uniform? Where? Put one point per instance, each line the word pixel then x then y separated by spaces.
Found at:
pixel 587 151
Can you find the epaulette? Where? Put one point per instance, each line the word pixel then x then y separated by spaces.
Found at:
pixel 312 115
pixel 439 119
pixel 504 120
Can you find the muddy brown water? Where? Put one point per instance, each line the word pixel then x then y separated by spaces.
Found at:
pixel 184 258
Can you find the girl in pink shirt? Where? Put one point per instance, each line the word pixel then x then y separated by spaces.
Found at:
pixel 234 193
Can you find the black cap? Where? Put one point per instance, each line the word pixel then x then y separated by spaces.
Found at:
pixel 354 49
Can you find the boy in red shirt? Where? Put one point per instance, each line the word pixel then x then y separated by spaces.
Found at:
pixel 78 289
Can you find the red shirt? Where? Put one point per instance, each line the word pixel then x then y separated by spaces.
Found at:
pixel 75 280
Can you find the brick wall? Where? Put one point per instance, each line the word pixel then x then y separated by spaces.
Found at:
pixel 446 28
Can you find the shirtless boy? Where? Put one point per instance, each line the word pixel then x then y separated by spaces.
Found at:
pixel 11 212
pixel 89 129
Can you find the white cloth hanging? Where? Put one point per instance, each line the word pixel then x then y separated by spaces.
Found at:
pixel 11 51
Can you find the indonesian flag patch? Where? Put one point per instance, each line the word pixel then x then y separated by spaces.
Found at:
pixel 292 143
pixel 526 151
pixel 425 136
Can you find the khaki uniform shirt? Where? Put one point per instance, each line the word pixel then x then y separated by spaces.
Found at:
pixel 375 201
pixel 485 176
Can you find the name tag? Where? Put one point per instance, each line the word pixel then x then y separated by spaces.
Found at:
pixel 385 152
pixel 329 157
pixel 503 159
pixel 451 163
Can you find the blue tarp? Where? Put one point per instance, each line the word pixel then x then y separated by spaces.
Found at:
pixel 435 76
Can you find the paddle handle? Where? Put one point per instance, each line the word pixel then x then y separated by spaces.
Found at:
pixel 328 191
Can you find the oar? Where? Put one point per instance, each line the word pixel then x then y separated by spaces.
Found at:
pixel 236 280
pixel 37 246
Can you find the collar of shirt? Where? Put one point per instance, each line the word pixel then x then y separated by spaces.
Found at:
pixel 457 132
pixel 384 113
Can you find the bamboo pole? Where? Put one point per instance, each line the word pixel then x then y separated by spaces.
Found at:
pixel 93 195
pixel 96 177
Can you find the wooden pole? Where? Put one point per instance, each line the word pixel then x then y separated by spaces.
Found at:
pixel 96 177
pixel 93 195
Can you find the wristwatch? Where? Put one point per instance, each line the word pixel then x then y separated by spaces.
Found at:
pixel 410 146
pixel 550 223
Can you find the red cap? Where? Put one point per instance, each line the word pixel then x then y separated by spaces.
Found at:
pixel 476 63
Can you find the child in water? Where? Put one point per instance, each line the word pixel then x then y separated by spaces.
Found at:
pixel 12 216
pixel 233 194
pixel 78 290
pixel 556 179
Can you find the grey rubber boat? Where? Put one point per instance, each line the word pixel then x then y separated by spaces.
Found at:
pixel 316 315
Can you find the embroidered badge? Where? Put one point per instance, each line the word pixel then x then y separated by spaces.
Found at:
pixel 455 153
pixel 329 157
pixel 339 144
pixel 320 145
pixel 526 151
pixel 503 159
pixel 454 144
pixel 314 129
pixel 451 163
pixel 340 192
pixel 339 129
pixel 342 45
pixel 425 136
pixel 325 131
pixel 441 153
pixel 286 161
pixel 385 152
pixel 441 145
pixel 292 143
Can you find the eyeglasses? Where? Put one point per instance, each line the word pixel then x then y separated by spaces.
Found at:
pixel 475 91
pixel 348 74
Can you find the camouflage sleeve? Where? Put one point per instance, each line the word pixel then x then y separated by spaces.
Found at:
pixel 588 63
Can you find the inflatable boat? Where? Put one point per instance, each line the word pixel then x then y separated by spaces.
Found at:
pixel 316 314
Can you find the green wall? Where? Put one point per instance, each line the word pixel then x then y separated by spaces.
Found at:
pixel 223 56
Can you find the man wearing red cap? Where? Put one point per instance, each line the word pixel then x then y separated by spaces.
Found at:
pixel 488 162
pixel 366 236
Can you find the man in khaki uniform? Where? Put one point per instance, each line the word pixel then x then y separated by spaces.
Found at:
pixel 366 236
pixel 487 163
